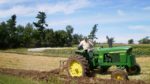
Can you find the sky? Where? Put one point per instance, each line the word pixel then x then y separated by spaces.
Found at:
pixel 120 19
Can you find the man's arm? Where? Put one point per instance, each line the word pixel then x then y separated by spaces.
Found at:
pixel 80 46
pixel 81 43
pixel 91 43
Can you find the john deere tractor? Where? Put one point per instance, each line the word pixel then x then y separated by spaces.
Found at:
pixel 85 62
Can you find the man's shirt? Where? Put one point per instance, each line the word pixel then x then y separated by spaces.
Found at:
pixel 86 45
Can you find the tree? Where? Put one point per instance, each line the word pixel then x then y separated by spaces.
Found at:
pixel 110 41
pixel 13 36
pixel 145 40
pixel 69 30
pixel 35 38
pixel 11 23
pixel 49 38
pixel 77 38
pixel 130 41
pixel 11 26
pixel 40 25
pixel 4 39
pixel 28 35
pixel 19 36
pixel 60 38
pixel 93 32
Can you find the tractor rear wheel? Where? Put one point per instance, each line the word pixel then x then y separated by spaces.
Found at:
pixel 77 66
pixel 136 69
pixel 119 75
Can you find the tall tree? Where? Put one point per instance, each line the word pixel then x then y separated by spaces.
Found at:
pixel 4 39
pixel 41 25
pixel 145 40
pixel 20 30
pixel 11 26
pixel 60 38
pixel 28 35
pixel 49 38
pixel 93 32
pixel 130 41
pixel 69 30
pixel 11 23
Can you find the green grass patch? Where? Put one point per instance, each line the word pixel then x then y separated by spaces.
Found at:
pixel 7 79
pixel 138 50
pixel 60 52
pixel 17 50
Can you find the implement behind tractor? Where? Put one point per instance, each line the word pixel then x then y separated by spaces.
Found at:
pixel 84 63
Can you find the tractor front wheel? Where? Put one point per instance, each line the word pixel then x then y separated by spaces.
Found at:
pixel 136 69
pixel 119 75
pixel 77 66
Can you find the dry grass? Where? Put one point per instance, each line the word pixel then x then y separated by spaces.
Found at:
pixel 28 62
pixel 41 63
pixel 145 69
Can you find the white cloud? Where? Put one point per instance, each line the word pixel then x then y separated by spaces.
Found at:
pixel 60 7
pixel 137 27
pixel 96 19
pixel 13 2
pixel 145 28
pixel 4 1
pixel 64 7
pixel 121 12
pixel 18 10
pixel 146 8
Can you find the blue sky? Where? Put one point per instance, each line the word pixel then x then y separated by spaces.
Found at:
pixel 121 19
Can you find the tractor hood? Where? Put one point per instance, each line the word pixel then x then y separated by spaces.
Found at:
pixel 115 49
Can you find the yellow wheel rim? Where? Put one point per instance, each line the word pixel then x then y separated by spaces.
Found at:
pixel 119 77
pixel 75 69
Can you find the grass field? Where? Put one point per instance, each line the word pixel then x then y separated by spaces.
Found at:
pixel 8 79
pixel 49 59
pixel 138 50
pixel 29 62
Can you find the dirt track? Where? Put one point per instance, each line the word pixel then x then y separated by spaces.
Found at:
pixel 47 75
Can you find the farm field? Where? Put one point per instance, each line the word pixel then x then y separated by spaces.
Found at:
pixel 138 50
pixel 40 63
pixel 29 62
pixel 74 42
pixel 8 79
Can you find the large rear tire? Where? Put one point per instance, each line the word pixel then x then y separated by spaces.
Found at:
pixel 77 66
pixel 136 69
pixel 119 75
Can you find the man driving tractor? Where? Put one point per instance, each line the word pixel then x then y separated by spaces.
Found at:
pixel 86 44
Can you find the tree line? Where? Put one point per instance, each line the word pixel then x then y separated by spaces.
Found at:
pixel 37 34
pixel 145 40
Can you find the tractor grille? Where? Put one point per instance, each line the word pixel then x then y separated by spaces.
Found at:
pixel 115 57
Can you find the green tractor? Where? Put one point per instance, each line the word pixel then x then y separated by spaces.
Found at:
pixel 84 62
